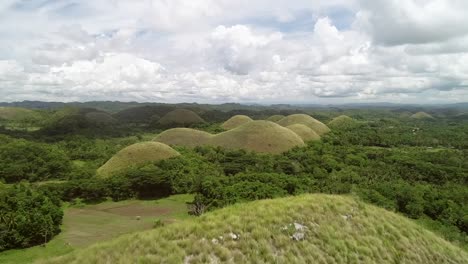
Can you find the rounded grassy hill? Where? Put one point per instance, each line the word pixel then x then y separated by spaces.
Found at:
pixel 259 136
pixel 305 132
pixel 342 121
pixel 18 114
pixel 138 153
pixel 184 137
pixel 236 121
pixel 319 127
pixel 421 115
pixel 181 117
pixel 275 118
pixel 98 117
pixel 314 228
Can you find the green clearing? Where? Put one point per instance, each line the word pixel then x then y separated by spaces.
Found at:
pixel 90 224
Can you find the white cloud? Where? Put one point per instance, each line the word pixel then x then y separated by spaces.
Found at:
pixel 214 51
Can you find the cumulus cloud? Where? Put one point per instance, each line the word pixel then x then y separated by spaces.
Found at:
pixel 219 51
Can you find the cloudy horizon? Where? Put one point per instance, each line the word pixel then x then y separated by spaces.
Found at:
pixel 216 51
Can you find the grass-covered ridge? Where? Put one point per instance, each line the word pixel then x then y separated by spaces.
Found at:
pixel 335 229
pixel 236 121
pixel 319 127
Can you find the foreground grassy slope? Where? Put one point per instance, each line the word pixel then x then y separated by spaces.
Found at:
pixel 335 229
pixel 136 154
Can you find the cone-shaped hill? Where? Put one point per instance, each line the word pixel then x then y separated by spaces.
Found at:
pixel 319 127
pixel 314 228
pixel 305 132
pixel 275 118
pixel 185 137
pixel 236 121
pixel 421 115
pixel 180 117
pixel 135 154
pixel 259 136
pixel 342 122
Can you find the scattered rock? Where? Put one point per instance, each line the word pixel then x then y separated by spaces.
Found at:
pixel 234 236
pixel 214 241
pixel 138 217
pixel 347 217
pixel 298 236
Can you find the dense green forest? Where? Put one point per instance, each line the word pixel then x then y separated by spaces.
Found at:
pixel 417 167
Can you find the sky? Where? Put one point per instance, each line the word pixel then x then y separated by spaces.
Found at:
pixel 249 51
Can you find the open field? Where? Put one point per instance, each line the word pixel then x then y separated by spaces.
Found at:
pixel 101 222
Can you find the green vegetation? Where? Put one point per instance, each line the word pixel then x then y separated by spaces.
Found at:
pixel 306 120
pixel 88 224
pixel 305 132
pixel 27 217
pixel 100 118
pixel 236 121
pixel 415 167
pixel 303 229
pixel 136 154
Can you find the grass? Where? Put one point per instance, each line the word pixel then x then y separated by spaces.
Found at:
pixel 97 223
pixel 181 117
pixel 319 127
pixel 18 114
pixel 136 154
pixel 305 132
pixel 236 121
pixel 342 121
pixel 184 137
pixel 259 136
pixel 336 229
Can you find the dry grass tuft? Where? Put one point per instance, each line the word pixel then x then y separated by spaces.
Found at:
pixel 319 127
pixel 136 154
pixel 335 229
pixel 236 121
pixel 305 132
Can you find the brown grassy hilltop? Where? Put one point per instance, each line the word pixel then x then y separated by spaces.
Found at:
pixel 319 127
pixel 180 117
pixel 136 154
pixel 236 121
pixel 185 137
pixel 305 132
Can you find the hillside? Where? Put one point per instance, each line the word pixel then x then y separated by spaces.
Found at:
pixel 136 154
pixel 342 122
pixel 236 121
pixel 422 115
pixel 183 137
pixel 305 132
pixel 275 118
pixel 319 127
pixel 259 136
pixel 17 114
pixel 180 117
pixel 314 228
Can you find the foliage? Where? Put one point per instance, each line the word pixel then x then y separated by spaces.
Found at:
pixel 27 217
